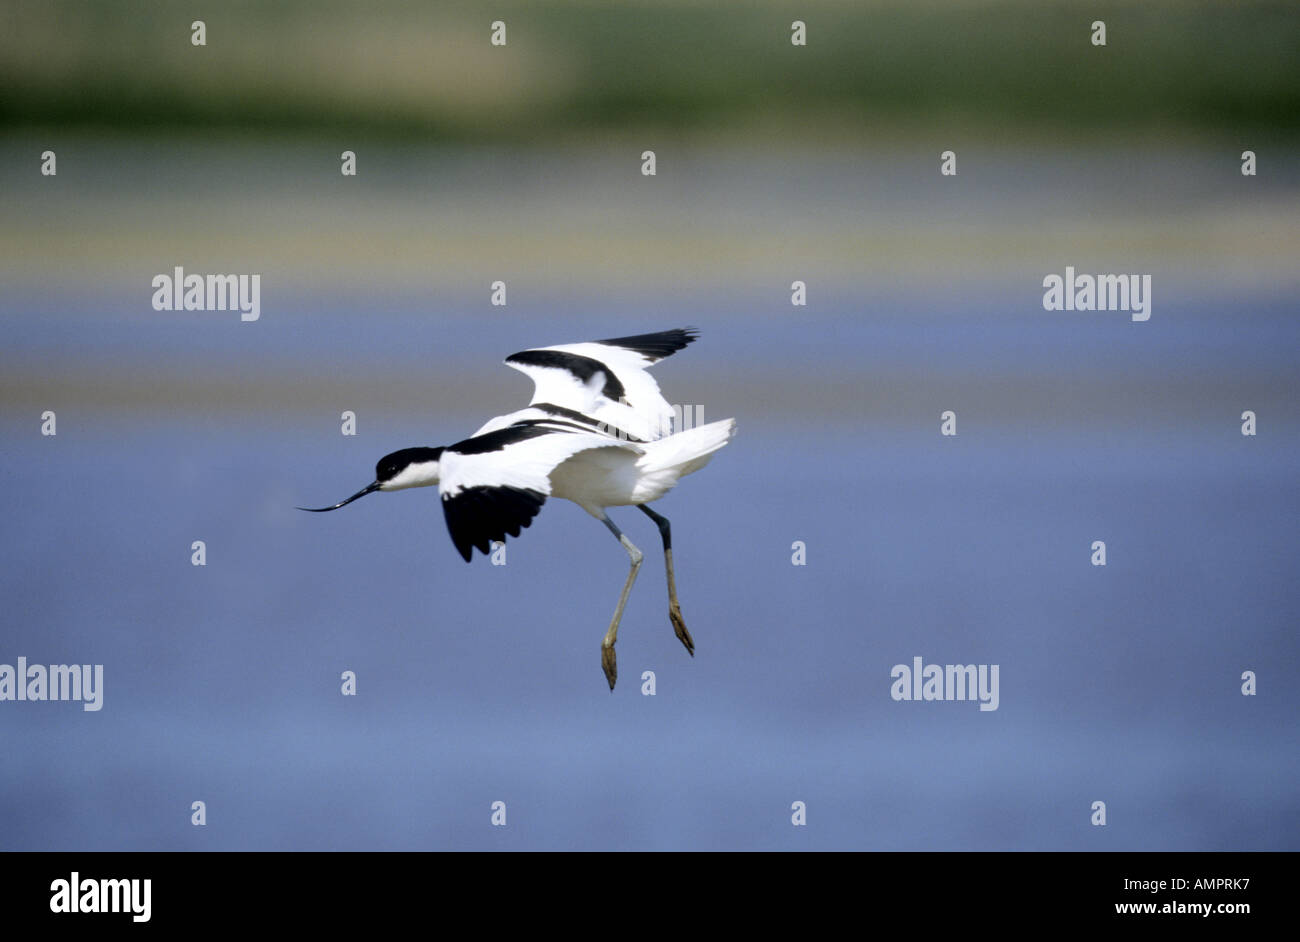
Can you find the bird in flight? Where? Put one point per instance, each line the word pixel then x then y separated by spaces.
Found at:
pixel 597 432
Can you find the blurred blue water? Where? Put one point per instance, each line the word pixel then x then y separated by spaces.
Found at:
pixel 478 683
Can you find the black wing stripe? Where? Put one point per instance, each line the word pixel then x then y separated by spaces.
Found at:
pixel 655 346
pixel 579 423
pixel 584 368
pixel 478 516
pixel 554 425
pixel 501 438
pixel 573 414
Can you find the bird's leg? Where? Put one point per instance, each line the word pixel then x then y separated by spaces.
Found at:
pixel 607 659
pixel 674 610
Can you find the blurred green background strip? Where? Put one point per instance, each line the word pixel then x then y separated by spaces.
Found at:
pixel 407 70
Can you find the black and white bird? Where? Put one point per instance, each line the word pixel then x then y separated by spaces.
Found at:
pixel 598 432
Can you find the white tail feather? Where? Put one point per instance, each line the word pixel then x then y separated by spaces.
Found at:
pixel 669 459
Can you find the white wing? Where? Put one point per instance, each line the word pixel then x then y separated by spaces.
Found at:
pixel 494 484
pixel 606 381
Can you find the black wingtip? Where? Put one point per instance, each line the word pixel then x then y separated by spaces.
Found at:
pixel 658 345
pixel 479 516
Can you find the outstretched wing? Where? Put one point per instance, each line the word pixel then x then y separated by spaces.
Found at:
pixel 493 485
pixel 606 380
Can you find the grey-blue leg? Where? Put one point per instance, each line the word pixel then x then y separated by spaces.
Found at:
pixel 674 610
pixel 608 662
